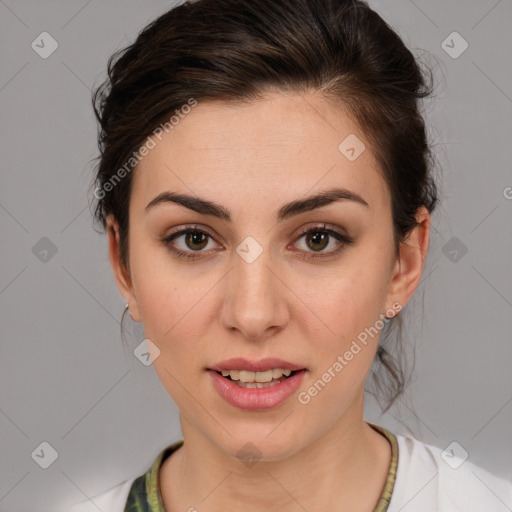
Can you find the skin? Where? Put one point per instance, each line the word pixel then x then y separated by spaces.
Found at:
pixel 252 159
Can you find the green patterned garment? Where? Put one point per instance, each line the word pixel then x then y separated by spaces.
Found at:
pixel 144 495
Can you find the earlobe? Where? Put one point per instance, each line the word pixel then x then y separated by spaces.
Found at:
pixel 409 265
pixel 121 273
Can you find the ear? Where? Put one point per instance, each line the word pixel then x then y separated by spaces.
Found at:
pixel 408 267
pixel 121 273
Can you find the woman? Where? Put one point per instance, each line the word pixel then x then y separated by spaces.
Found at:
pixel 266 186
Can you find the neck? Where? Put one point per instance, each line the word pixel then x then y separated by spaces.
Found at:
pixel 344 469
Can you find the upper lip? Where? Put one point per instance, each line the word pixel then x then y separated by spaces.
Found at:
pixel 261 365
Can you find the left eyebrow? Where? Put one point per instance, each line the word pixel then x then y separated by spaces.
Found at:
pixel 206 207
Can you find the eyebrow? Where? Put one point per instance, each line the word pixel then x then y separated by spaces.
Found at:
pixel 206 207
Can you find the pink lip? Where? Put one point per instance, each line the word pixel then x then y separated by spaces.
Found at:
pixel 255 399
pixel 267 363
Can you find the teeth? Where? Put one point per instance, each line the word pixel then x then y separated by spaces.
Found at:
pixel 256 377
pixel 258 385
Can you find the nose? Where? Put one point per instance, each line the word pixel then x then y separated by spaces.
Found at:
pixel 255 301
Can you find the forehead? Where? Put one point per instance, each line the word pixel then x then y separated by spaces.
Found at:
pixel 282 146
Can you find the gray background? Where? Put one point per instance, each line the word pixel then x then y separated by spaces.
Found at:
pixel 64 375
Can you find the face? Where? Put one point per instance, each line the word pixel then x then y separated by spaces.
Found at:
pixel 246 281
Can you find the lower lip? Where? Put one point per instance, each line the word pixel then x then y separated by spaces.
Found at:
pixel 255 399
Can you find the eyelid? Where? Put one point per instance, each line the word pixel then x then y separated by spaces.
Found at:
pixel 182 230
pixel 324 226
pixel 320 226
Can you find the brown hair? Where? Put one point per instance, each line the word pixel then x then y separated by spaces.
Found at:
pixel 236 50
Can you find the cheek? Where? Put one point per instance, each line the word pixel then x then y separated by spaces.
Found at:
pixel 343 322
pixel 343 354
pixel 175 305
pixel 349 303
pixel 164 292
pixel 173 313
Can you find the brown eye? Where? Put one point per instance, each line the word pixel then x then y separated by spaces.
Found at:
pixel 317 240
pixel 189 243
pixel 196 240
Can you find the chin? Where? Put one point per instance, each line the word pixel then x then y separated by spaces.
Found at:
pixel 256 445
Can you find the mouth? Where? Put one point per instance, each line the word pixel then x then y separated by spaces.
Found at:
pixel 257 380
pixel 257 391
pixel 256 384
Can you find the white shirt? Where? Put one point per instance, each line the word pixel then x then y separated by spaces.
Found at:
pixel 425 482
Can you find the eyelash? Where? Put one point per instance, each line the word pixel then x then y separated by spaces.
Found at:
pixel 342 239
